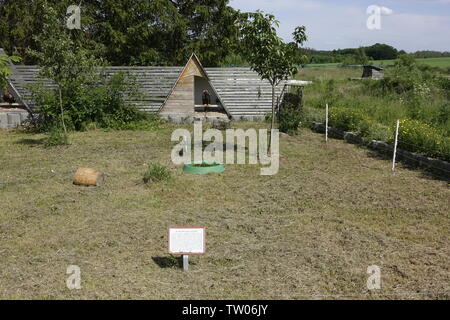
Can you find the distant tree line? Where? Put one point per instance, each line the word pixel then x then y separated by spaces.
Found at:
pixel 359 55
pixel 363 55
pixel 431 54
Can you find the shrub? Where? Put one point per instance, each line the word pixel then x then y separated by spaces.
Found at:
pixel 444 113
pixel 444 84
pixel 5 69
pixel 82 94
pixel 103 103
pixel 347 119
pixel 157 173
pixel 405 76
pixel 372 130
pixel 313 115
pixel 221 125
pixel 290 118
pixel 419 137
pixel 268 117
pixel 56 137
pixel 293 99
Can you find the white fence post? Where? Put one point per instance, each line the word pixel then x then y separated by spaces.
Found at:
pixel 326 123
pixel 395 145
pixel 185 262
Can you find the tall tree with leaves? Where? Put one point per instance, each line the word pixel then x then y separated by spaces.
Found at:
pixel 19 19
pixel 273 59
pixel 62 59
pixel 211 29
pixel 138 32
pixel 5 69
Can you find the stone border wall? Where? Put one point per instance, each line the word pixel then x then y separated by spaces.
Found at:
pixel 440 166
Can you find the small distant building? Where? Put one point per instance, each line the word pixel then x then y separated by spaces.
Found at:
pixel 372 72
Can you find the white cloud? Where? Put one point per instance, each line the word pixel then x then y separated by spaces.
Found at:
pixel 386 11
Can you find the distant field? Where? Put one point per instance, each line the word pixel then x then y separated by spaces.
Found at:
pixel 332 86
pixel 434 62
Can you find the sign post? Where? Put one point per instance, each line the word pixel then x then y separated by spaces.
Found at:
pixel 186 241
pixel 185 262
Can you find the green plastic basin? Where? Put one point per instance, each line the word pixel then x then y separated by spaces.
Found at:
pixel 212 167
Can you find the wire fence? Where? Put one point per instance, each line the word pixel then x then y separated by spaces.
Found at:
pixel 406 155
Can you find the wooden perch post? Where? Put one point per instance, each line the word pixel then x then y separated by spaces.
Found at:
pixel 88 177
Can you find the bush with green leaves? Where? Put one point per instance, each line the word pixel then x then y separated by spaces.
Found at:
pixel 157 173
pixel 103 103
pixel 444 85
pixel 372 130
pixel 416 136
pixel 357 120
pixel 5 69
pixel 290 114
pixel 82 93
pixel 56 137
pixel 372 108
pixel 403 77
pixel 290 119
pixel 347 119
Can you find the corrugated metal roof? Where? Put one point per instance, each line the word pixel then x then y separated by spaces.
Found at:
pixel 155 83
pixel 241 90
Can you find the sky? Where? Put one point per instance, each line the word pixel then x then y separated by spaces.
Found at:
pixel 409 25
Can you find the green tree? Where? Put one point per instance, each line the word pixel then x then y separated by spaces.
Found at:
pixel 63 60
pixel 266 52
pixel 19 19
pixel 361 57
pixel 138 32
pixel 5 68
pixel 211 30
pixel 381 52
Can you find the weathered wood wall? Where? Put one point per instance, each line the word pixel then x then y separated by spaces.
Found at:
pixel 242 92
pixel 181 101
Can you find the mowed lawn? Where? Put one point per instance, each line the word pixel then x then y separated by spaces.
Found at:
pixel 309 232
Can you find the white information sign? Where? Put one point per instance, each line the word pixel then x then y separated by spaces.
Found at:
pixel 186 241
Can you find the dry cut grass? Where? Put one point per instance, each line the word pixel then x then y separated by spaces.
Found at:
pixel 309 232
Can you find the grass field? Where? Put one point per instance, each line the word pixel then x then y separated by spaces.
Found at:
pixel 434 62
pixel 331 73
pixel 427 102
pixel 309 232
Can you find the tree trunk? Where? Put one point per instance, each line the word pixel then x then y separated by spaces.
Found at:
pixel 62 110
pixel 272 126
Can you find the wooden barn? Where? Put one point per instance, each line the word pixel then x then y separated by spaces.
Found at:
pixel 178 93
